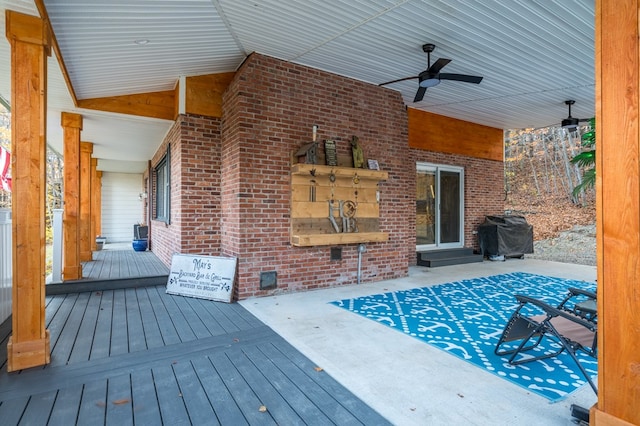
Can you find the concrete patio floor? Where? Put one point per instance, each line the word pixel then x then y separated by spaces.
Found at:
pixel 407 381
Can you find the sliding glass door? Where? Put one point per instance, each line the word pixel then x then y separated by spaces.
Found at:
pixel 439 206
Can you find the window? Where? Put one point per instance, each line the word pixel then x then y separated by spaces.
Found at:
pixel 162 185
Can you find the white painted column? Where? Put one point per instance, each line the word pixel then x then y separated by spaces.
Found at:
pixel 6 275
pixel 56 274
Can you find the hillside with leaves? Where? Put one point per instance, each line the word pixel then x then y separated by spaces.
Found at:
pixel 540 180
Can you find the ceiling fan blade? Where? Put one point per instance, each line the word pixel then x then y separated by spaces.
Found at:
pixel 438 65
pixel 420 94
pixel 395 81
pixel 461 77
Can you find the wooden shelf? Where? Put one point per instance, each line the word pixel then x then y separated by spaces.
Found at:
pixel 321 170
pixel 315 195
pixel 341 238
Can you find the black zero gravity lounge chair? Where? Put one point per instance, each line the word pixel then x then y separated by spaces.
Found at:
pixel 573 325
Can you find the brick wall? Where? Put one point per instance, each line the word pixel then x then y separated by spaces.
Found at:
pixel 269 110
pixel 195 189
pixel 200 183
pixel 231 177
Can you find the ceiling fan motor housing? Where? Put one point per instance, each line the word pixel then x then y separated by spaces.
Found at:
pixel 570 123
pixel 428 47
pixel 427 79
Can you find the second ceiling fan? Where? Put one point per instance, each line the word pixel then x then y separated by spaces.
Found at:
pixel 571 123
pixel 432 75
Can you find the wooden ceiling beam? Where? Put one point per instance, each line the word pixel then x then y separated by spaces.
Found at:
pixel 154 104
pixel 433 132
pixel 56 49
pixel 204 93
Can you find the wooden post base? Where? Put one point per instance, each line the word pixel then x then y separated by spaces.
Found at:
pixel 86 256
pixel 72 273
pixel 600 418
pixel 32 353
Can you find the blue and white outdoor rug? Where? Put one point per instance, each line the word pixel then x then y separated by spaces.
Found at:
pixel 466 318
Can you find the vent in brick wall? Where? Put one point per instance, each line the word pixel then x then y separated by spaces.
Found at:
pixel 268 280
pixel 336 253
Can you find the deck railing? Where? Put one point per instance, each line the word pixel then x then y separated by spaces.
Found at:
pixel 6 274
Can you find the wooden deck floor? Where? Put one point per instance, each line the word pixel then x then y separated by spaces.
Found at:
pixel 122 263
pixel 141 356
pixel 117 266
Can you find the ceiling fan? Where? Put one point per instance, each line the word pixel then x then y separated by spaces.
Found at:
pixel 432 75
pixel 571 123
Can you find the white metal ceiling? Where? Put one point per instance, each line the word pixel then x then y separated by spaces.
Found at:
pixel 533 54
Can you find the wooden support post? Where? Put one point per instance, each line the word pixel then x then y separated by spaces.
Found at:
pixel 29 37
pixel 617 74
pixel 95 189
pixel 86 149
pixel 98 195
pixel 71 126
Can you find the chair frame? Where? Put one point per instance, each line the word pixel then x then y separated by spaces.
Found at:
pixel 531 331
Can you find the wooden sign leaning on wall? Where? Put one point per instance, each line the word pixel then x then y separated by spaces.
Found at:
pixel 204 277
pixel 330 154
pixel 356 151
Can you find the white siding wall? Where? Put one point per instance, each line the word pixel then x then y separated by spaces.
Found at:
pixel 121 206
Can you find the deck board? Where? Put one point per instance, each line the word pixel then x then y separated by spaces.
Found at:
pixel 11 411
pixel 305 377
pixel 286 386
pixel 114 267
pixel 127 264
pixel 181 325
pixel 134 321
pixel 64 343
pixel 145 402
pixel 274 402
pixel 101 345
pixel 93 403
pixel 161 359
pixel 39 408
pixel 65 408
pixel 84 339
pixel 57 318
pixel 119 339
pixel 198 327
pixel 172 407
pixel 52 303
pixel 195 398
pixel 168 331
pixel 218 312
pixel 131 265
pixel 248 402
pixel 152 333
pixel 227 412
pixel 119 406
pixel 203 316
